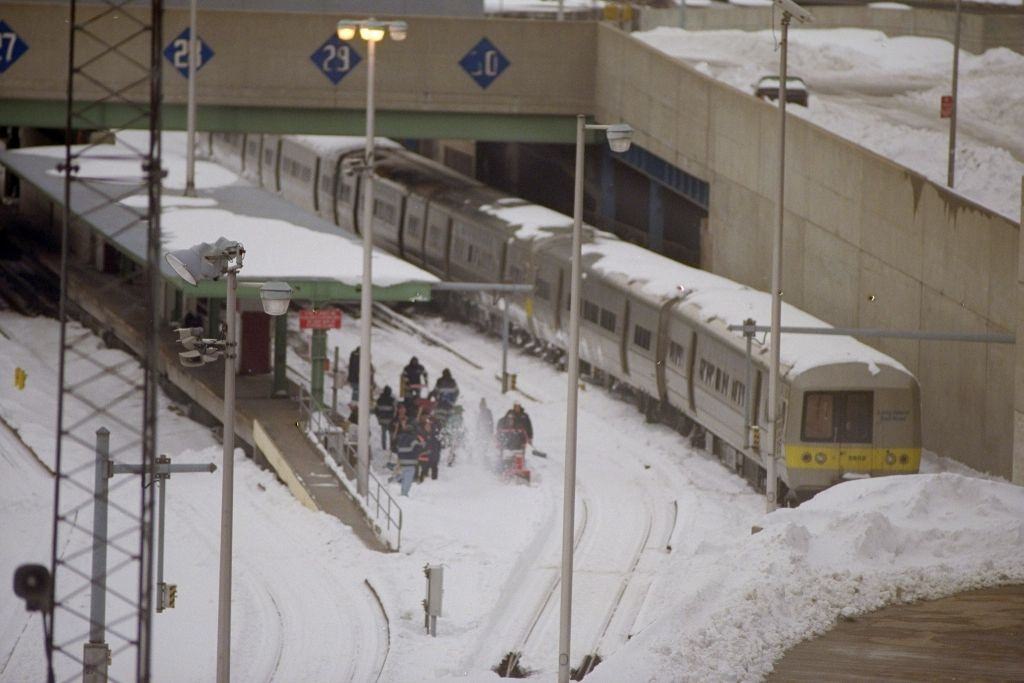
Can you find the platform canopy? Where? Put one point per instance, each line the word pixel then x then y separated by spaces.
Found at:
pixel 320 261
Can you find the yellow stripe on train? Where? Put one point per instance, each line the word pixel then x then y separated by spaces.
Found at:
pixel 821 457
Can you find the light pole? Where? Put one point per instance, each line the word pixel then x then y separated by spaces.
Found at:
pixel 789 10
pixel 209 262
pixel 951 167
pixel 619 137
pixel 190 109
pixel 372 32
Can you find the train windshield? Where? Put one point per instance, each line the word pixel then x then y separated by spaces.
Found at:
pixel 838 416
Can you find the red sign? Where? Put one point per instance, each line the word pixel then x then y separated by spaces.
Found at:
pixel 322 319
pixel 947 107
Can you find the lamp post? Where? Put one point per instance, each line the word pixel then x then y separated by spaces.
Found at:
pixel 209 262
pixel 789 10
pixel 372 32
pixel 951 162
pixel 190 108
pixel 619 138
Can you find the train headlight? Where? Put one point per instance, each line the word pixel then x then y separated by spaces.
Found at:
pixel 890 459
pixel 806 457
pixel 820 458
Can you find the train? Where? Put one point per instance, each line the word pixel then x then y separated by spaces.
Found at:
pixel 652 327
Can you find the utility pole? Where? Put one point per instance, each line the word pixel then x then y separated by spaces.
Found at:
pixel 950 171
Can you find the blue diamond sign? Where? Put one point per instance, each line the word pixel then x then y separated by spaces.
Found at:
pixel 176 53
pixel 335 59
pixel 12 47
pixel 484 63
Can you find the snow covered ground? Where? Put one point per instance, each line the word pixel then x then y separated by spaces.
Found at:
pixel 883 93
pixel 667 523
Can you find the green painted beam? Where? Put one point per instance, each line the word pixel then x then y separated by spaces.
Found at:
pixel 499 127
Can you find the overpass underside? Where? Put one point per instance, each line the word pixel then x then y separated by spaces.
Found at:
pixel 868 243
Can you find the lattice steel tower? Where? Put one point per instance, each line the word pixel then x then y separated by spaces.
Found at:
pixel 114 83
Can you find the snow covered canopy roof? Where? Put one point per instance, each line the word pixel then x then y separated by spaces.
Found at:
pixel 282 242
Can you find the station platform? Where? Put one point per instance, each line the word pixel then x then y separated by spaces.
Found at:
pixel 972 636
pixel 268 425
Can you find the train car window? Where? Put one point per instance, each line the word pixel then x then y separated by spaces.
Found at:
pixel 469 253
pixel 543 289
pixel 819 416
pixel 858 417
pixel 414 226
pixel 607 320
pixel 591 311
pixel 642 337
pixel 345 192
pixel 739 393
pixel 844 416
pixel 707 372
pixel 676 354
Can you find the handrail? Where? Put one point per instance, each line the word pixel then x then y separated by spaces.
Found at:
pixel 377 503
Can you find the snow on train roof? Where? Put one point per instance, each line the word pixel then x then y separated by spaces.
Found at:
pixel 327 144
pixel 531 220
pixel 730 302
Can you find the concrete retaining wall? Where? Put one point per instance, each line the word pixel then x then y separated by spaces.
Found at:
pixel 868 243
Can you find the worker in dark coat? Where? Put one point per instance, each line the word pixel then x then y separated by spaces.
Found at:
pixel 385 412
pixel 446 391
pixel 430 456
pixel 353 373
pixel 510 433
pixel 414 378
pixel 408 445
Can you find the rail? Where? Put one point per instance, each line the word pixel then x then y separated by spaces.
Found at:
pixel 379 506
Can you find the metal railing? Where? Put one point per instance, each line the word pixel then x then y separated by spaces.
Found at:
pixel 379 506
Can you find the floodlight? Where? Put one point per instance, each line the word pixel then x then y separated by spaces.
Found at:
pixel 795 11
pixel 398 30
pixel 188 332
pixel 371 33
pixel 346 30
pixel 205 261
pixel 275 297
pixel 620 135
pixel 190 359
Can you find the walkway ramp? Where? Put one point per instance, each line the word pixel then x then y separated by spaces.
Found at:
pixel 116 307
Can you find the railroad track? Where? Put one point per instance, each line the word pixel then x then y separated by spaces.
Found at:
pixel 510 666
pixel 26 286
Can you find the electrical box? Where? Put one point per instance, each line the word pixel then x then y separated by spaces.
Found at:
pixel 165 596
pixel 435 592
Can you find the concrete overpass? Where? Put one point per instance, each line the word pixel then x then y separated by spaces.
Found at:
pixel 869 243
pixel 271 72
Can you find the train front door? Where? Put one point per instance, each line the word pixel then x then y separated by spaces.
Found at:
pixel 855 419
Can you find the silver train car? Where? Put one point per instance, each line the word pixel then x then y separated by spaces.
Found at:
pixel 651 326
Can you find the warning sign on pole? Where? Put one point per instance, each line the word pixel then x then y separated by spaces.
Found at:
pixel 947 107
pixel 322 319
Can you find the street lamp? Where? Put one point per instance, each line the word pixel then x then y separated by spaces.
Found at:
pixel 789 10
pixel 372 32
pixel 619 137
pixel 206 261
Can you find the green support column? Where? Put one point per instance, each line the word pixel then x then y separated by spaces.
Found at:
pixel 316 381
pixel 280 355
pixel 213 318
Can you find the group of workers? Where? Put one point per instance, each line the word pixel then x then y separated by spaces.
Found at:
pixel 417 429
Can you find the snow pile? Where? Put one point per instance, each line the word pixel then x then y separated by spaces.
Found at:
pixel 883 93
pixel 852 549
